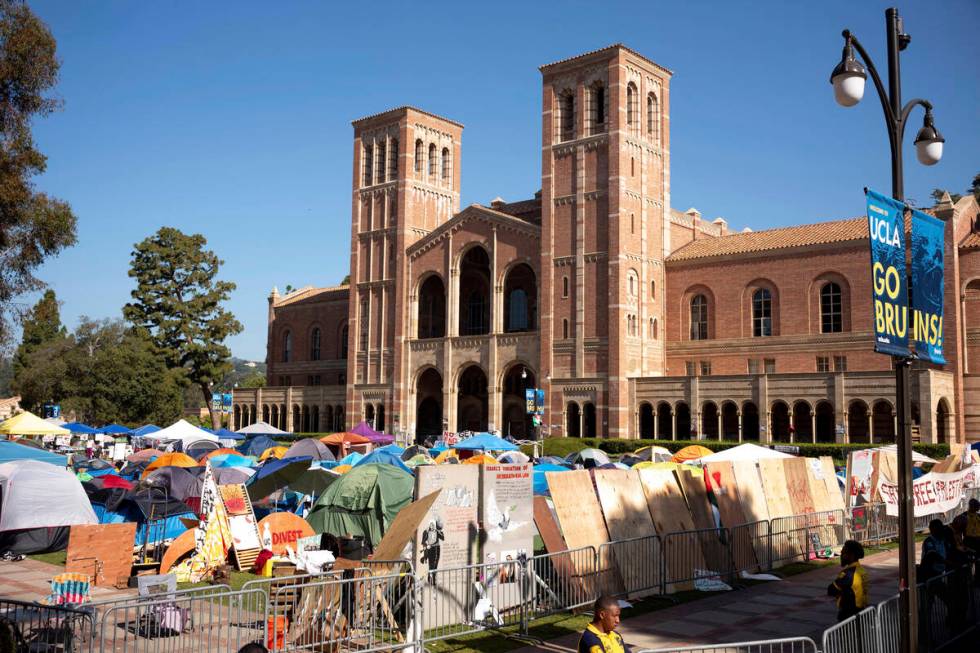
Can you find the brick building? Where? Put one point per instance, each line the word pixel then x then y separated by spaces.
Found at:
pixel 636 319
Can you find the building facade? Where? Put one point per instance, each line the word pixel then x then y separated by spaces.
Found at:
pixel 636 319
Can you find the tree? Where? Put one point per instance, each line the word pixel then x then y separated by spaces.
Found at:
pixel 33 226
pixel 937 194
pixel 254 381
pixel 41 324
pixel 177 301
pixel 975 186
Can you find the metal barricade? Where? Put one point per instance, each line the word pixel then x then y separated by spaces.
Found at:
pixel 752 546
pixel 785 645
pixel 100 607
pixel 857 634
pixel 889 628
pixel 639 561
pixel 469 599
pixel 184 623
pixel 559 582
pixel 947 608
pixel 34 627
pixel 689 555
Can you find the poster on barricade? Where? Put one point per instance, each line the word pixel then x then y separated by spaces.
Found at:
pixel 448 538
pixel 859 477
pixel 932 493
pixel 506 530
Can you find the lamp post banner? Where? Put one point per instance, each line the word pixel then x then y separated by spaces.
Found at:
pixel 886 227
pixel 927 286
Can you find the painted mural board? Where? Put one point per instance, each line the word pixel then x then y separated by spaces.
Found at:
pixel 506 530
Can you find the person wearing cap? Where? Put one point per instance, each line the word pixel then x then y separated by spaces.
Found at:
pixel 850 588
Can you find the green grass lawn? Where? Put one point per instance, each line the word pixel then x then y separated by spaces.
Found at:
pixel 54 558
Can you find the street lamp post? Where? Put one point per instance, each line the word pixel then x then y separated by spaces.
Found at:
pixel 848 80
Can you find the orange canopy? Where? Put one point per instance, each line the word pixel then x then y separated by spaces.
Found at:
pixel 341 469
pixel 691 452
pixel 445 456
pixel 344 438
pixel 216 452
pixel 480 459
pixel 175 459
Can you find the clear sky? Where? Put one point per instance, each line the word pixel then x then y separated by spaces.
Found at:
pixel 233 119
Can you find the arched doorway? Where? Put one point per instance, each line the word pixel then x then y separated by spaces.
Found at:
pixel 729 421
pixel 857 421
pixel 474 293
pixel 238 418
pixel 275 415
pixel 517 423
pixel 646 420
pixel 328 418
pixel 709 421
pixel 665 421
pixel 315 419
pixel 428 406
pixel 379 415
pixel 826 422
pixel 802 422
pixel 750 421
pixel 339 418
pixel 520 299
pixel 942 421
pixel 472 405
pixel 588 417
pixel 297 419
pixel 432 308
pixel 265 414
pixel 882 422
pixel 369 414
pixel 306 419
pixel 573 420
pixel 779 417
pixel 682 414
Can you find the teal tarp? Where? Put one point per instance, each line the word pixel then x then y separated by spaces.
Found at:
pixel 10 451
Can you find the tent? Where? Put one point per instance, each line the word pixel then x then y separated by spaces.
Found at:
pixel 114 429
pixel 485 442
pixel 747 451
pixel 691 453
pixel 169 460
pixel 143 454
pixel 384 458
pixel 273 452
pixel 314 481
pixel 276 474
pixel 77 428
pixel 481 459
pixel 353 457
pixel 420 459
pixel 232 475
pixel 309 447
pixel 254 446
pixel 260 428
pixel 146 430
pixel 30 424
pixel 364 501
pixel 916 456
pixel 393 448
pixel 446 455
pixel 180 482
pixel 342 438
pixel 588 458
pixel 39 502
pixel 225 434
pixel 216 452
pixel 183 432
pixel 11 451
pixel 231 460
pixel 376 437
pixel 515 458
pixel 539 481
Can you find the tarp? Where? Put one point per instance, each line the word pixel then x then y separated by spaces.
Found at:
pixel 77 428
pixel 10 451
pixel 254 446
pixel 30 424
pixel 540 483
pixel 183 432
pixel 747 451
pixel 146 430
pixel 364 501
pixel 34 494
pixel 261 428
pixel 384 458
pixel 309 447
pixel 114 429
pixel 485 442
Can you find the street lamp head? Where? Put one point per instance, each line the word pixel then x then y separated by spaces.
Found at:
pixel 848 78
pixel 929 142
pixel 523 372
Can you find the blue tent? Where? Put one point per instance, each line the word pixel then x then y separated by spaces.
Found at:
pixel 145 430
pixel 386 457
pixel 10 451
pixel 256 445
pixel 485 442
pixel 225 434
pixel 353 457
pixel 393 448
pixel 540 483
pixel 114 429
pixel 77 428
pixel 231 460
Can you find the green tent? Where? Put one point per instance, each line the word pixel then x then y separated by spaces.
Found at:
pixel 364 501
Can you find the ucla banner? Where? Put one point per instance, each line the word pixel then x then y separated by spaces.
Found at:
pixel 886 226
pixel 927 287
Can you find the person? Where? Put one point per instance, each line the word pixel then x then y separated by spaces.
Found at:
pixel 600 636
pixel 850 588
pixel 254 647
pixel 970 529
pixel 935 552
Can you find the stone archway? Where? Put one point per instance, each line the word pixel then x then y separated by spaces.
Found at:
pixel 682 415
pixel 432 309
pixel 428 405
pixel 826 422
pixel 857 422
pixel 942 421
pixel 573 420
pixel 520 299
pixel 646 420
pixel 802 422
pixel 665 421
pixel 589 420
pixel 379 418
pixel 750 421
pixel 474 293
pixel 472 402
pixel 729 421
pixel 516 421
pixel 369 414
pixel 709 421
pixel 238 418
pixel 882 422
pixel 779 418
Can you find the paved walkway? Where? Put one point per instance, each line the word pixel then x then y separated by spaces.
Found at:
pixel 793 607
pixel 30 580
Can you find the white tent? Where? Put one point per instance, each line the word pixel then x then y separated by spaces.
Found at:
pixel 916 456
pixel 261 428
pixel 41 495
pixel 745 451
pixel 182 431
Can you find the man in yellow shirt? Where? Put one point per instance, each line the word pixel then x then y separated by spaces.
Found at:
pixel 600 636
pixel 969 525
pixel 850 588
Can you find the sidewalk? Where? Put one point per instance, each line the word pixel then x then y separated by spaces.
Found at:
pixel 794 607
pixel 29 580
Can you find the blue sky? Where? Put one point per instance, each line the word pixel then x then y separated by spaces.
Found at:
pixel 233 119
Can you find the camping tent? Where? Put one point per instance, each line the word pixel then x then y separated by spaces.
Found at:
pixel 384 458
pixel 38 504
pixel 11 451
pixel 588 458
pixel 309 447
pixel 364 501
pixel 260 428
pixel 485 442
pixel 183 432
pixel 30 424
pixel 254 446
pixel 747 451
pixel 691 452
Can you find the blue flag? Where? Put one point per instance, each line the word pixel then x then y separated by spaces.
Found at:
pixel 927 287
pixel 886 226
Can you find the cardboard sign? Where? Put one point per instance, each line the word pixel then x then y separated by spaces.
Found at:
pixel 281 529
pixel 932 493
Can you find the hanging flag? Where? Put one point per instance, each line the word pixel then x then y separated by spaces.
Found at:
pixel 886 226
pixel 927 286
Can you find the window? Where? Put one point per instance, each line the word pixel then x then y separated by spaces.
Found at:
pixel 381 160
pixel 631 108
pixel 342 378
pixel 632 167
pixel 840 363
pixel 313 379
pixel 653 290
pixel 343 342
pixel 632 223
pixel 831 309
pixel 315 345
pixel 823 364
pixel 753 365
pixel 368 163
pixel 287 346
pixel 762 313
pixel 392 208
pixel 564 329
pixel 656 329
pixel 518 313
pixel 564 286
pixel 419 151
pixel 364 325
pixel 699 317
pixel 285 380
pixel 393 160
pixel 690 368
pixel 653 117
pixel 597 109
pixel 433 162
pixel 651 330
pixel 445 164
pixel 769 365
pixel 631 282
pixel 705 368
pixel 566 116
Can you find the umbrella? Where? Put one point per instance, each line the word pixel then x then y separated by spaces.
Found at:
pixel 143 454
pixel 420 459
pixel 345 438
pixel 514 458
pixel 170 460
pixel 309 447
pixel 314 481
pixel 588 458
pixel 217 452
pixel 485 442
pixel 181 482
pixel 232 475
pixel 480 459
pixel 276 474
pixel 691 453
pixel 273 452
pixel 413 451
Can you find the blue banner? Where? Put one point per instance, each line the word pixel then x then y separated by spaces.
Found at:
pixel 886 226
pixel 927 287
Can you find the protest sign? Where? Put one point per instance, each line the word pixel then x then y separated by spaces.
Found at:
pixel 933 493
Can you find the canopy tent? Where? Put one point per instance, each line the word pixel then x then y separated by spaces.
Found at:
pixel 183 432
pixel 260 428
pixel 345 437
pixel 364 501
pixel 169 460
pixel 255 446
pixel 916 456
pixel 384 458
pixel 36 495
pixel 114 429
pixel 485 442
pixel 27 423
pixel 588 458
pixel 747 451
pixel 146 430
pixel 225 434
pixel 11 451
pixel 691 453
pixel 376 437
pixel 77 428
pixel 309 447
pixel 57 421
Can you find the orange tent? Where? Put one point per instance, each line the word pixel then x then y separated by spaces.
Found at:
pixel 337 439
pixel 341 469
pixel 272 452
pixel 445 456
pixel 143 454
pixel 691 452
pixel 169 460
pixel 480 459
pixel 216 452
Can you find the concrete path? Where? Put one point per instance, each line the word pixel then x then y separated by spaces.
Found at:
pixel 793 607
pixel 30 580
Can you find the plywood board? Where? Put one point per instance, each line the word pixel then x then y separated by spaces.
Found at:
pixel 670 514
pixel 722 478
pixel 544 520
pixel 103 552
pixel 562 571
pixel 830 480
pixel 798 486
pixel 627 516
pixel 714 549
pixel 832 520
pixel 774 483
pixel 752 496
pixel 401 532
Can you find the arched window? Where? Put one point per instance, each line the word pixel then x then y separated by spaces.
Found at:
pixel 381 160
pixel 761 313
pixel 631 108
pixel 419 151
pixel 445 164
pixel 656 329
pixel 632 223
pixel 287 346
pixel 650 331
pixel 315 344
pixel 564 286
pixel 393 160
pixel 564 329
pixel 597 109
pixel 631 282
pixel 368 163
pixel 831 309
pixel 699 317
pixel 653 290
pixel 653 117
pixel 343 342
pixel 566 116
pixel 433 161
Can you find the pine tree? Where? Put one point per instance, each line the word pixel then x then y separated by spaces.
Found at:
pixel 42 325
